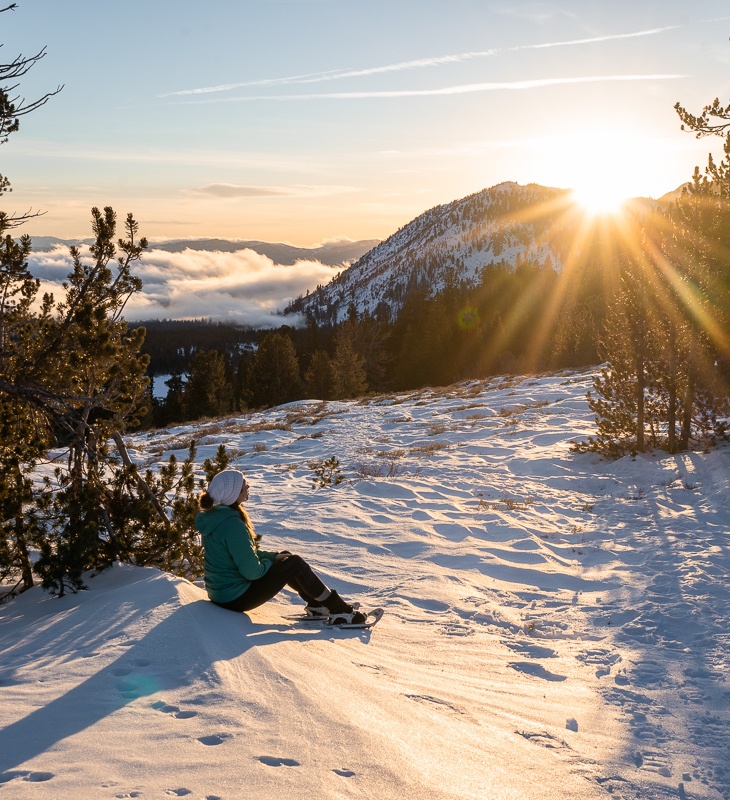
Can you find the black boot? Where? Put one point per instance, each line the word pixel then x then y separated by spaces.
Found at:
pixel 341 612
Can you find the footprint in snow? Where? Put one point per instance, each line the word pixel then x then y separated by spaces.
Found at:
pixel 31 777
pixel 653 761
pixel 602 659
pixel 531 650
pixel 424 698
pixel 214 739
pixel 536 670
pixel 457 629
pixel 174 710
pixel 272 761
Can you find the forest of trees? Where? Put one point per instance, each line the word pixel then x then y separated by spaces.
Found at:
pixel 500 325
pixel 666 338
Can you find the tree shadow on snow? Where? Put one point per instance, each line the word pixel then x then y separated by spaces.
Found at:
pixel 168 655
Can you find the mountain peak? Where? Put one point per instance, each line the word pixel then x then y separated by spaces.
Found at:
pixel 498 225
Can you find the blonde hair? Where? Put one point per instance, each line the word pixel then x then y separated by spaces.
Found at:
pixel 206 502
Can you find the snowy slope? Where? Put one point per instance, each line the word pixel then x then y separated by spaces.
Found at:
pixel 556 625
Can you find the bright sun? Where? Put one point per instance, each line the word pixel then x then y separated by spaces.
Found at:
pixel 600 198
pixel 605 168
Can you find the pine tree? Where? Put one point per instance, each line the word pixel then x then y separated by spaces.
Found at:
pixel 320 376
pixel 171 408
pixel 207 392
pixel 23 429
pixel 620 391
pixel 348 366
pixel 94 387
pixel 23 434
pixel 274 376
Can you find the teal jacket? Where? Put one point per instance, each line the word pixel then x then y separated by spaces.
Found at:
pixel 232 558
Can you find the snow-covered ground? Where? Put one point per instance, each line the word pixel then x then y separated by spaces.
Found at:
pixel 556 625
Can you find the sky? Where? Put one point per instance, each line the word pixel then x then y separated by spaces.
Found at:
pixel 307 120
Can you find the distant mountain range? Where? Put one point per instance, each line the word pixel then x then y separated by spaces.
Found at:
pixel 334 253
pixel 502 225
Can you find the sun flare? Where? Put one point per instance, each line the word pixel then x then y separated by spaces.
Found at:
pixel 600 198
pixel 605 168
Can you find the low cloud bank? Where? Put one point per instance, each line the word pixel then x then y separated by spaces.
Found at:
pixel 244 286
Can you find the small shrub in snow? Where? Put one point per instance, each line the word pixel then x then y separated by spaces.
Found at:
pixel 427 449
pixel 366 470
pixel 326 472
pixel 511 503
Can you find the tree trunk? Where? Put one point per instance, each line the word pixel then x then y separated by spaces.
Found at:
pixel 26 568
pixel 672 390
pixel 141 483
pixel 689 394
pixel 640 385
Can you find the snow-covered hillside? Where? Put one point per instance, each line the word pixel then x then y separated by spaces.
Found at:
pixel 496 225
pixel 504 225
pixel 556 625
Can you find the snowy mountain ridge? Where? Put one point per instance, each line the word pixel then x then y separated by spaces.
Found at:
pixel 502 225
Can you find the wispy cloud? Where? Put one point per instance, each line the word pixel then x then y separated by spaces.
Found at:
pixel 401 66
pixel 231 190
pixel 337 74
pixel 445 90
pixel 596 39
pixel 228 190
pixel 201 157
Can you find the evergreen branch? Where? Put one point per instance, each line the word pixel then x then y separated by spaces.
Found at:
pixel 140 481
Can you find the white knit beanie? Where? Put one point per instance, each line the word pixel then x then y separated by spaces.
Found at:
pixel 226 487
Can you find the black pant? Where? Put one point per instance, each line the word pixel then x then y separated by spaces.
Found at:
pixel 287 570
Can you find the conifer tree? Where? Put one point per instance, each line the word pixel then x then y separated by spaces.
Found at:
pixel 23 430
pixel 619 399
pixel 274 376
pixel 666 345
pixel 93 379
pixel 171 408
pixel 320 376
pixel 348 366
pixel 207 392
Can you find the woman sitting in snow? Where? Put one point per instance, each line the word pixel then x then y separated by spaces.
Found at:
pixel 238 575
